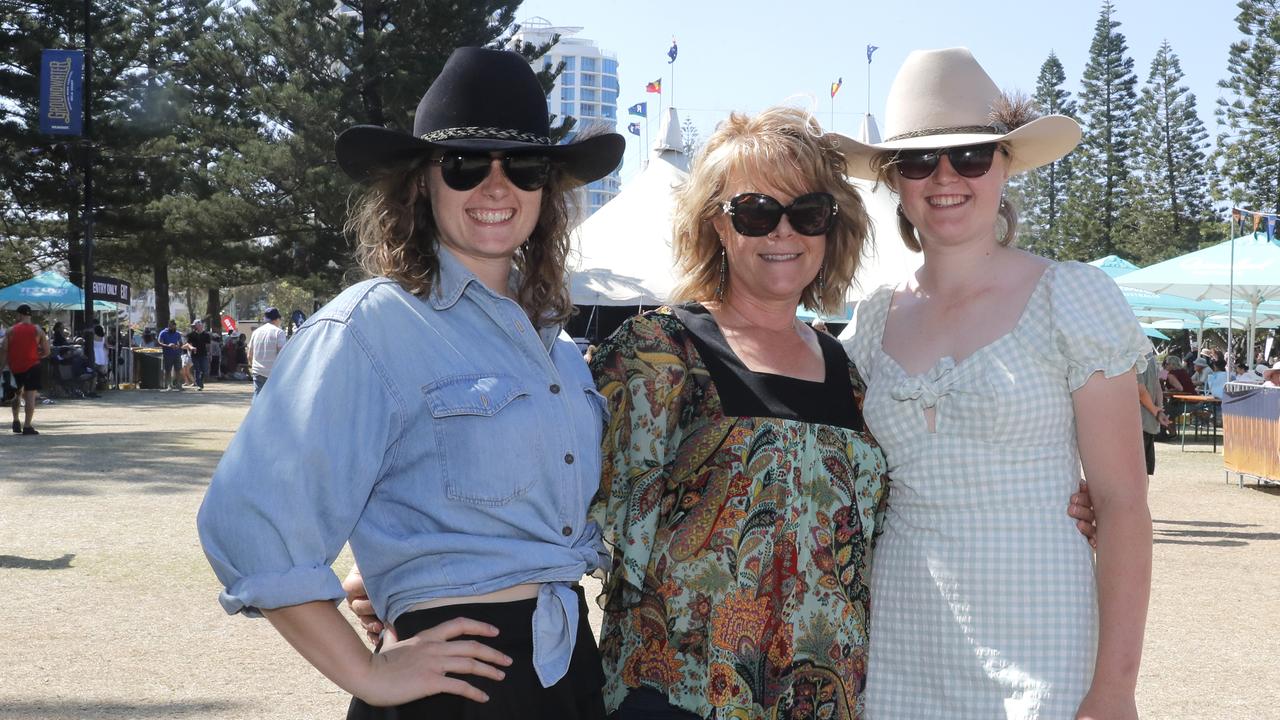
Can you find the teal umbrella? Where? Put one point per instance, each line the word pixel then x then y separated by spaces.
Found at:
pixel 1246 269
pixel 1114 265
pixel 47 292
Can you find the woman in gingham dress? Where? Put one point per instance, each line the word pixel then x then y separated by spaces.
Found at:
pixel 991 375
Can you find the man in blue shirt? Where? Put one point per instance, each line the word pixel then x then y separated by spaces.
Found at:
pixel 171 340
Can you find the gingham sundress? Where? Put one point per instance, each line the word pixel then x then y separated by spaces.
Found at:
pixel 983 596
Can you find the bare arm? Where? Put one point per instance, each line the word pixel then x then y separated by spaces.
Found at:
pixel 1110 442
pixel 42 344
pixel 426 664
pixel 1144 399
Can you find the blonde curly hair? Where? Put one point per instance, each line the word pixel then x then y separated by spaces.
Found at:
pixel 786 147
pixel 396 237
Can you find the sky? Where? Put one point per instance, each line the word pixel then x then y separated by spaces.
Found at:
pixel 750 54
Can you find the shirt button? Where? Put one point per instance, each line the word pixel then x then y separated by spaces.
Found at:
pixel 567 531
pixel 555 389
pixel 568 458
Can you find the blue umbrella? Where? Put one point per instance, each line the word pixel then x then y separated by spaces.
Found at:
pixel 1246 268
pixel 47 292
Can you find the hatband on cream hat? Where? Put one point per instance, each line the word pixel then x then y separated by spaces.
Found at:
pixel 942 99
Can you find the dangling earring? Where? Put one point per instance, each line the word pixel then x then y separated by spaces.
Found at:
pixel 822 279
pixel 724 269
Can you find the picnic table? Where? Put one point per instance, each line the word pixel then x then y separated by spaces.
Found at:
pixel 1200 410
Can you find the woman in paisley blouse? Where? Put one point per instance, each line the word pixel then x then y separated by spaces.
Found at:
pixel 741 492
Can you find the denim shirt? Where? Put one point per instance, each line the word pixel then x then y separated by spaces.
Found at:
pixel 453 445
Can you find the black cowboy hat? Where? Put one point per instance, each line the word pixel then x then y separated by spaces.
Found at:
pixel 483 101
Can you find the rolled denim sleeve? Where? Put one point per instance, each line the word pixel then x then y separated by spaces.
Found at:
pixel 298 473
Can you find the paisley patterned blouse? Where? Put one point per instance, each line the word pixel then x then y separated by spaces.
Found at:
pixel 741 509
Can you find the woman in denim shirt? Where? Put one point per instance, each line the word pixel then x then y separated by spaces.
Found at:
pixel 437 419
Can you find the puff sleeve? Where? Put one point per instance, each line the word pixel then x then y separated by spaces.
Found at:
pixel 1094 330
pixel 861 337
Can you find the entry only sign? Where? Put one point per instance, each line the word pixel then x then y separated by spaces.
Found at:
pixel 110 290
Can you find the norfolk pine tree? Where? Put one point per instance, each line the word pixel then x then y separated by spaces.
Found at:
pixel 1041 193
pixel 1101 169
pixel 1170 206
pixel 1248 151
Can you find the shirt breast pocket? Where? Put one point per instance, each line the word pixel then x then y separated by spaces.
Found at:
pixel 486 435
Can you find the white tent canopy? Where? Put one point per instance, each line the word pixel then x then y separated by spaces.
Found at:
pixel 624 249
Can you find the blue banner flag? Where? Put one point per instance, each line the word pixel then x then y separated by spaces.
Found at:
pixel 871 49
pixel 672 52
pixel 1271 228
pixel 640 108
pixel 634 129
pixel 61 97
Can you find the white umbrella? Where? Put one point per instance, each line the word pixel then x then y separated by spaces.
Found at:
pixel 1246 268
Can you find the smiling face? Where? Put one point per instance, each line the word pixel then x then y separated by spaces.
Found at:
pixel 487 223
pixel 950 209
pixel 776 267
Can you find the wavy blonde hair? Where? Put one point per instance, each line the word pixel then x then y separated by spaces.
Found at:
pixel 1006 216
pixel 786 148
pixel 396 237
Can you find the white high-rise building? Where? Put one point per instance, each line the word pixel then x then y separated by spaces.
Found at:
pixel 587 90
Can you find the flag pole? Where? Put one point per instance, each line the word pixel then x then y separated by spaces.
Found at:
pixel 870 51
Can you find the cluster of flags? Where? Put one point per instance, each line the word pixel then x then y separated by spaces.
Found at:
pixel 1265 220
pixel 642 109
pixel 835 86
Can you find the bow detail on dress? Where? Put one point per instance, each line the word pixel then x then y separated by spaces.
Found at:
pixel 927 389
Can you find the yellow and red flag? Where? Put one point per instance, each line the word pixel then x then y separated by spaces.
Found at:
pixel 654 87
pixel 835 86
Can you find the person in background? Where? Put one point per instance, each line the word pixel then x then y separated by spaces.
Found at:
pixel 1154 419
pixel 1216 381
pixel 171 340
pixel 1200 374
pixel 1245 374
pixel 229 357
pixel 23 347
pixel 1271 378
pixel 264 347
pixel 101 359
pixel 1179 379
pixel 198 342
pixel 242 356
pixel 215 356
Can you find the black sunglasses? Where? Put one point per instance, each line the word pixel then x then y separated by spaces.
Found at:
pixel 971 161
pixel 757 214
pixel 464 171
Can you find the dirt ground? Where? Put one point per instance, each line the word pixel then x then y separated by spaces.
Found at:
pixel 111 609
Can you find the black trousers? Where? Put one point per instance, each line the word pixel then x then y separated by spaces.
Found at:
pixel 1149 450
pixel 519 696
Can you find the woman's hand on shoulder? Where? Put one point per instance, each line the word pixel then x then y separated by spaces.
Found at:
pixel 1081 510
pixel 433 662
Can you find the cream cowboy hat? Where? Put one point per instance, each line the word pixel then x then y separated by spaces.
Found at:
pixel 942 99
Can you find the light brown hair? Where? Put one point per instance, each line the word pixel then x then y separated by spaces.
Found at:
pixel 785 147
pixel 1007 215
pixel 396 237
